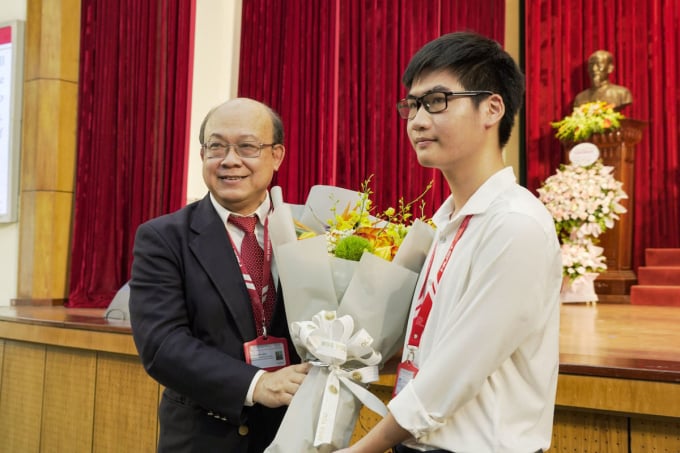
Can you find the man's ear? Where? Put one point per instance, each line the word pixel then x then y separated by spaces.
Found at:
pixel 494 109
pixel 279 152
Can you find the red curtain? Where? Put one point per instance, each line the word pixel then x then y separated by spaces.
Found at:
pixel 644 37
pixel 333 69
pixel 133 125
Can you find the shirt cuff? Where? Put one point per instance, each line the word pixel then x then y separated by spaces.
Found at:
pixel 249 396
pixel 409 413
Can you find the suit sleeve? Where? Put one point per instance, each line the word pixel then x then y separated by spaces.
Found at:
pixel 198 355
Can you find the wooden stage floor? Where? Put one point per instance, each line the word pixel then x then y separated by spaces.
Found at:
pixel 615 340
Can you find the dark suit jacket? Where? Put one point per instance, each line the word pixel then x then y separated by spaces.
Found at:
pixel 190 314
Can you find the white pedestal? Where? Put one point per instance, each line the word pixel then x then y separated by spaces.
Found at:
pixel 580 290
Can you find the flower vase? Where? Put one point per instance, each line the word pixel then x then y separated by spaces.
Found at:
pixel 581 289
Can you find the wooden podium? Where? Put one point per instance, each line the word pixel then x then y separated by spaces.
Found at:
pixel 617 149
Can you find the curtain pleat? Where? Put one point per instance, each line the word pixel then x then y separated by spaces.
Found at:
pixel 135 74
pixel 644 38
pixel 333 72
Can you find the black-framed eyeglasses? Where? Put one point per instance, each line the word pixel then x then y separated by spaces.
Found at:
pixel 433 102
pixel 248 150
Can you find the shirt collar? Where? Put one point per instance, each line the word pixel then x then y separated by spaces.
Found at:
pixel 261 212
pixel 480 200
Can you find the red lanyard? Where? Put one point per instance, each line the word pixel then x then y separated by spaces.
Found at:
pixel 426 295
pixel 255 297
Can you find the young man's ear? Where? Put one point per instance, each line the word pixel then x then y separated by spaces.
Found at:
pixel 495 109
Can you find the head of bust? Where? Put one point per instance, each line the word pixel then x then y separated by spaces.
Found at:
pixel 600 65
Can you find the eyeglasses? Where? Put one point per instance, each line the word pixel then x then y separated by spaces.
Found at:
pixel 433 102
pixel 248 150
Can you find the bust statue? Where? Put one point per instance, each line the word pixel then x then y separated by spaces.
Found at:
pixel 600 65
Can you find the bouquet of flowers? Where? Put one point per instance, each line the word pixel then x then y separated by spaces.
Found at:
pixel 578 259
pixel 347 317
pixel 584 200
pixel 587 119
pixel 355 230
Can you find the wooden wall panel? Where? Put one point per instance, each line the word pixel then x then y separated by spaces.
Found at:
pixel 158 423
pixel 49 139
pixel 619 395
pixel 91 340
pixel 654 435
pixel 21 397
pixel 48 147
pixel 126 403
pixel 575 431
pixel 68 412
pixel 32 39
pixel 53 39
pixel 2 351
pixel 44 242
pixel 367 418
pixel 60 43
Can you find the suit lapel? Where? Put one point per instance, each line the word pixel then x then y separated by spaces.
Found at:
pixel 213 250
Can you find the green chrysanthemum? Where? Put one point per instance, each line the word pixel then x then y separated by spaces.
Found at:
pixel 352 247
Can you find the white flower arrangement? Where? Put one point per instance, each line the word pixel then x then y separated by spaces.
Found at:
pixel 578 259
pixel 583 201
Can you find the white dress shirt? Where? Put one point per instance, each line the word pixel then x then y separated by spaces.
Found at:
pixel 236 234
pixel 488 358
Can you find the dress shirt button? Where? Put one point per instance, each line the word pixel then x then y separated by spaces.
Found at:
pixel 243 430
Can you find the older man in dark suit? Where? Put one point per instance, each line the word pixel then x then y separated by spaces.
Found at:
pixel 205 319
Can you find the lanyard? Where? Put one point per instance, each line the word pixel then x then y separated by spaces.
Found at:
pixel 255 297
pixel 425 297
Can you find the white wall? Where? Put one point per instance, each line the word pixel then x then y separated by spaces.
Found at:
pixel 9 232
pixel 216 57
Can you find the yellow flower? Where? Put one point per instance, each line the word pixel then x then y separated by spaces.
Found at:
pixel 384 231
pixel 306 235
pixel 587 119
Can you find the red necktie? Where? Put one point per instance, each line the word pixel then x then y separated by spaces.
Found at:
pixel 252 257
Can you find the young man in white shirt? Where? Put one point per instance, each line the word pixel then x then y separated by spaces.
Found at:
pixel 480 363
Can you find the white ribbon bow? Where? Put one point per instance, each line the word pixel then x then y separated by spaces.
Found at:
pixel 331 340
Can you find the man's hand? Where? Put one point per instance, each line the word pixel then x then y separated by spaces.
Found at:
pixel 276 388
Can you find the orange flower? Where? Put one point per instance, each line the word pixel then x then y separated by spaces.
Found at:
pixel 384 243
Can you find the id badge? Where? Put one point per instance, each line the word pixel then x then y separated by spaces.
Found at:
pixel 270 353
pixel 406 371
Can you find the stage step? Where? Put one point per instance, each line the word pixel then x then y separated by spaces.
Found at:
pixel 662 257
pixel 659 280
pixel 655 295
pixel 658 275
